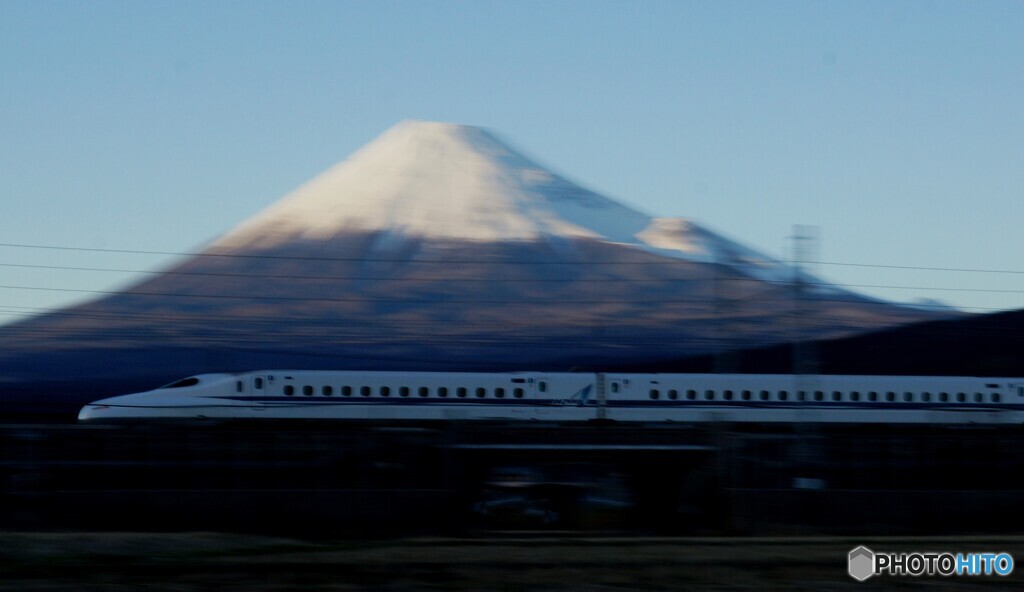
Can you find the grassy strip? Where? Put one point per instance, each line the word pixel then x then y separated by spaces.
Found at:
pixel 205 561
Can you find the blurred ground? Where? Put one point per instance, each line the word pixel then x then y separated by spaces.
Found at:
pixel 205 561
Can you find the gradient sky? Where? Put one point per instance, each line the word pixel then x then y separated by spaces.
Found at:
pixel 896 128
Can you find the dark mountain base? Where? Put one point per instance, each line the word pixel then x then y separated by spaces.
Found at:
pixel 990 345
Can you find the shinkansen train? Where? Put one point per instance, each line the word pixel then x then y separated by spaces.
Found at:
pixel 572 397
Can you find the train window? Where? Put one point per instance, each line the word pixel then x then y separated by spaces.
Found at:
pixel 890 396
pixel 482 392
pixel 517 393
pixel 709 394
pixel 424 391
pixel 346 391
pixel 259 383
pixel 289 390
pixel 727 395
pixel 944 397
pixel 499 393
pixel 908 397
pixel 307 390
pixel 238 386
pixel 818 395
pixel 442 392
pixel 855 396
pixel 461 392
pixel 783 395
pixel 961 397
pixel 836 395
pixel 365 391
pixel 995 397
pixel 745 395
pixel 542 386
pixel 385 391
pixel 764 395
pixel 872 396
pixel 977 397
pixel 691 394
pixel 801 396
pixel 1020 391
pixel 653 394
pixel 673 394
pixel 615 387
pixel 403 391
pixel 926 397
pixel 327 391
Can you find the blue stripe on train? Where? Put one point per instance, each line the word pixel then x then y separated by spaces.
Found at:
pixel 653 404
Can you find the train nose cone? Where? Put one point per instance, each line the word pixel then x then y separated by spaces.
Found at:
pixel 92 412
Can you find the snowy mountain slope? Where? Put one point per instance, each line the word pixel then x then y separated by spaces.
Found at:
pixel 439 181
pixel 444 181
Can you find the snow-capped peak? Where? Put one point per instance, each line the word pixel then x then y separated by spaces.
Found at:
pixel 439 180
pixel 455 182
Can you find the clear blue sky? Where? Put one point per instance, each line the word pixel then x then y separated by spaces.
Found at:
pixel 897 128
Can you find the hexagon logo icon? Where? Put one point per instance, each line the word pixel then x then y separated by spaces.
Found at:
pixel 861 564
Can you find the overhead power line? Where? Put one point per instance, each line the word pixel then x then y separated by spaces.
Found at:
pixel 338 278
pixel 339 333
pixel 506 279
pixel 664 261
pixel 440 299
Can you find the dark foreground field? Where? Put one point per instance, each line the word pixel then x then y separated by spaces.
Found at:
pixel 205 561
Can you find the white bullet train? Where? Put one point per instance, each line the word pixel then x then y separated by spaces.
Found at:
pixel 573 397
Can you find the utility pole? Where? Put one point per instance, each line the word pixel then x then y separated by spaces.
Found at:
pixel 805 251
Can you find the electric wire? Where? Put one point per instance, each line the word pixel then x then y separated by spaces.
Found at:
pixel 448 261
pixel 510 280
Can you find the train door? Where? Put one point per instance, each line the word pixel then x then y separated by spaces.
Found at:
pixel 259 392
pixel 539 392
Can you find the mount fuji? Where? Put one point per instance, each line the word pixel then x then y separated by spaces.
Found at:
pixel 438 246
pixel 446 182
